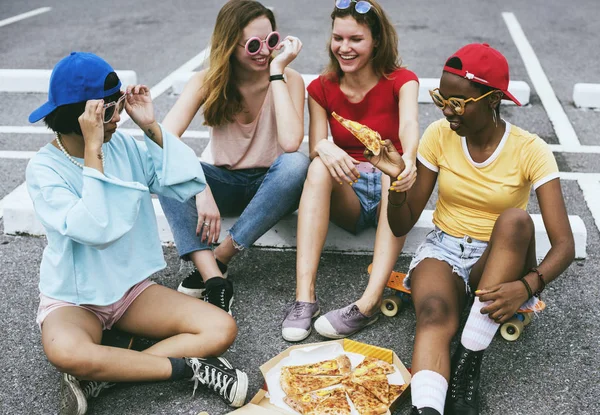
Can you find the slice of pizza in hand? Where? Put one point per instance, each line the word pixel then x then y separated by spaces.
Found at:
pixel 364 401
pixel 378 385
pixel 368 137
pixel 299 384
pixel 334 404
pixel 338 366
pixel 307 402
pixel 371 366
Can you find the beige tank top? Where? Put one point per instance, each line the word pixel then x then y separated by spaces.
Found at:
pixel 237 146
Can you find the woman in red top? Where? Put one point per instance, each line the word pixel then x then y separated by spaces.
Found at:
pixel 365 83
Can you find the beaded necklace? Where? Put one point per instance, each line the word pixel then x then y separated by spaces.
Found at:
pixel 75 162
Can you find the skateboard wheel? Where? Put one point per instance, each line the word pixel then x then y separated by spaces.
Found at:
pixel 391 306
pixel 527 317
pixel 512 329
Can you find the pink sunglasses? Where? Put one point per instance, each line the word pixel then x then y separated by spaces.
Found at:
pixel 254 44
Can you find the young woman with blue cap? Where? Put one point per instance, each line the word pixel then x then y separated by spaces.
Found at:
pixel 91 189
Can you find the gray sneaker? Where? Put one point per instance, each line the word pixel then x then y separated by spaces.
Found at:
pixel 343 322
pixel 297 323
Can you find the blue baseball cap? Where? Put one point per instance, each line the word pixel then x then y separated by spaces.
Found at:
pixel 78 77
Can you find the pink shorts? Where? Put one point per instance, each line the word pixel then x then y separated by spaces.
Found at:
pixel 107 314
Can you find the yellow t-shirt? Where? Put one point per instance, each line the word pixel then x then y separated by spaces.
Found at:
pixel 472 195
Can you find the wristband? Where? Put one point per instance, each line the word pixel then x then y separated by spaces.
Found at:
pixel 526 284
pixel 399 204
pixel 277 77
pixel 542 282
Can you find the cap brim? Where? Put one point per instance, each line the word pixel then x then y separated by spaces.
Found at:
pixel 508 95
pixel 41 112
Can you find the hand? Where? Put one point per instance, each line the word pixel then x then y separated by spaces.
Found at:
pixel 408 177
pixel 388 161
pixel 92 124
pixel 505 299
pixel 138 105
pixel 209 217
pixel 338 162
pixel 289 48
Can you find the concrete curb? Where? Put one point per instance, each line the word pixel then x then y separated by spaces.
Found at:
pixel 20 218
pixel 586 95
pixel 519 89
pixel 38 80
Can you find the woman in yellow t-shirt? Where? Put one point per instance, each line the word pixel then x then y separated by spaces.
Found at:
pixel 484 240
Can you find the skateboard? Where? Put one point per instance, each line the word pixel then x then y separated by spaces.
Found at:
pixel 393 304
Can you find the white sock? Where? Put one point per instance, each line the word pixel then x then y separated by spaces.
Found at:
pixel 479 329
pixel 428 390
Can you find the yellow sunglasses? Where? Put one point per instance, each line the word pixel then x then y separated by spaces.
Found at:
pixel 457 105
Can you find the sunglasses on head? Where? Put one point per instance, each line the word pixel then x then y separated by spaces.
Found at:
pixel 361 7
pixel 110 108
pixel 457 105
pixel 254 44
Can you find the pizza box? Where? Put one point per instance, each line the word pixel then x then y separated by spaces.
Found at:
pixel 261 405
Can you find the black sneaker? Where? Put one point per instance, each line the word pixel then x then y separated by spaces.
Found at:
pixel 194 286
pixel 423 411
pixel 217 375
pixel 463 393
pixel 219 292
pixel 74 394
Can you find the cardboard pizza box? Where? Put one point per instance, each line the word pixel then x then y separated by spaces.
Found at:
pixel 260 404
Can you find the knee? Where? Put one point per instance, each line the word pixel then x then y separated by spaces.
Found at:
pixel 222 335
pixel 515 222
pixel 70 357
pixel 435 313
pixel 295 165
pixel 318 174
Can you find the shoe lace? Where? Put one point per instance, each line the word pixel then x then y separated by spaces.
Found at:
pixel 298 309
pixel 463 380
pixel 353 312
pixel 93 388
pixel 210 377
pixel 216 296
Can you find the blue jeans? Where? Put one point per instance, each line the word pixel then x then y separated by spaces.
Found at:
pixel 368 190
pixel 260 196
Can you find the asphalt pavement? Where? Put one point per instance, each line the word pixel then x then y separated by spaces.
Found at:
pixel 554 368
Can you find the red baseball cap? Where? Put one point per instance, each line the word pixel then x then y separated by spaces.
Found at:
pixel 484 65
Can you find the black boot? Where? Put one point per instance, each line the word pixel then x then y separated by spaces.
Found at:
pixel 423 411
pixel 463 392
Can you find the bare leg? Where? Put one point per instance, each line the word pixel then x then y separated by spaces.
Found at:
pixel 386 251
pixel 438 296
pixel 320 198
pixel 510 253
pixel 71 337
pixel 226 250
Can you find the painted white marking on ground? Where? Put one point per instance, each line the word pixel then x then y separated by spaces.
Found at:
pixel 38 80
pixel 24 16
pixel 158 89
pixel 17 154
pixel 591 193
pixel 136 132
pixel 562 126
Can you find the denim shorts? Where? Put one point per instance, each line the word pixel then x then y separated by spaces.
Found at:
pixel 460 253
pixel 368 190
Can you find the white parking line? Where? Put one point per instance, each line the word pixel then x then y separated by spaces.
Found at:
pixel 136 132
pixel 24 16
pixel 166 83
pixel 591 193
pixel 562 126
pixel 17 154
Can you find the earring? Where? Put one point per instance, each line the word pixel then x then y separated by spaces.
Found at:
pixel 494 117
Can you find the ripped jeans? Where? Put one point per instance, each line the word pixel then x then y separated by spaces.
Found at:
pixel 260 196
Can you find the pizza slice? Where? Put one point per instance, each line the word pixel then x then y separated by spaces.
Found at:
pixel 378 385
pixel 338 366
pixel 371 366
pixel 335 403
pixel 307 402
pixel 364 401
pixel 299 384
pixel 395 391
pixel 368 137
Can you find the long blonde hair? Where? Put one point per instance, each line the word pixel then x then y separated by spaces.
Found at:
pixel 385 57
pixel 223 100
